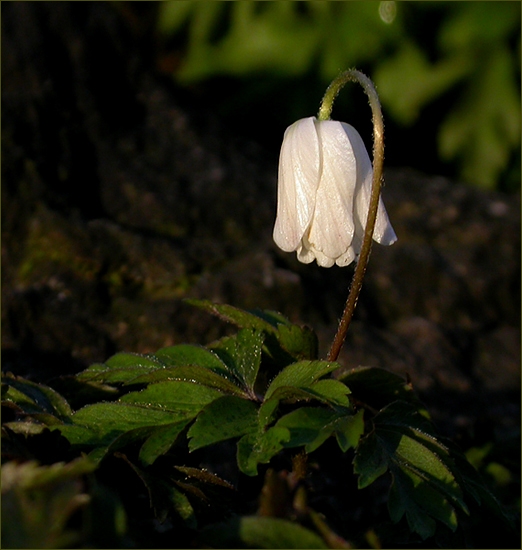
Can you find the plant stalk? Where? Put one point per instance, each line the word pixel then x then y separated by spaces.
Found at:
pixel 352 75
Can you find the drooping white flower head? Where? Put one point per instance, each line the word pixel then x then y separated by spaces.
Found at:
pixel 324 188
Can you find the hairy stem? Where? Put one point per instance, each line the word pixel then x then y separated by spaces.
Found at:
pixel 325 110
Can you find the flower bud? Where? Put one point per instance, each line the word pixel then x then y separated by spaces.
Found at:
pixel 323 196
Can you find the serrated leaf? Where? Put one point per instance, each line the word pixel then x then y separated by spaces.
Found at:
pixel 301 375
pixel 126 367
pixel 370 461
pixel 299 342
pixel 194 374
pixel 282 336
pixel 248 357
pixel 159 404
pixel 260 532
pixel 333 392
pixel 308 426
pixel 176 396
pixel 260 448
pixel 185 355
pixel 101 423
pixel 224 418
pixel 242 355
pixel 421 503
pixel 348 430
pixel 204 476
pixel 121 367
pixel 378 387
pixel 311 426
pixel 231 314
pixel 424 484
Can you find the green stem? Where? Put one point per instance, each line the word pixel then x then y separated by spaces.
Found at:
pixel 325 110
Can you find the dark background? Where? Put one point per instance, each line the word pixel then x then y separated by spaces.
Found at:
pixel 125 190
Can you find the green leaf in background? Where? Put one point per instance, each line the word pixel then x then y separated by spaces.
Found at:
pixel 260 532
pixel 485 127
pixel 38 501
pixel 467 67
pixel 224 418
pixel 420 81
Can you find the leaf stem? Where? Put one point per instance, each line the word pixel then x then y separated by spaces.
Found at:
pixel 352 75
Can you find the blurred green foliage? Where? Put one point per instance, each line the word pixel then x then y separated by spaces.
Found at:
pixel 446 70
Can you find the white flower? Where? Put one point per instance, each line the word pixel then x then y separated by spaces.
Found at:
pixel 324 187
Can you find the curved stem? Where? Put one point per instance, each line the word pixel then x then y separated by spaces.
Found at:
pixel 325 110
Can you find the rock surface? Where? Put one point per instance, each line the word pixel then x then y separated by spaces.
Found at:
pixel 121 197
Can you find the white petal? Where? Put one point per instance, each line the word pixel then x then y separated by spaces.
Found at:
pixel 347 258
pixel 332 226
pixel 383 232
pixel 299 168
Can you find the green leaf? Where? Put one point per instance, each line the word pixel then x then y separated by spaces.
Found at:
pixel 223 419
pixel 260 448
pixel 231 314
pixel 160 441
pixel 248 356
pixel 101 423
pixel 242 355
pixel 159 404
pixel 176 396
pixel 260 532
pixel 299 342
pixel 411 494
pixel 348 430
pixel 301 375
pixel 282 336
pixel 378 387
pixel 370 461
pixel 121 367
pixel 194 374
pixel 188 355
pixel 308 426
